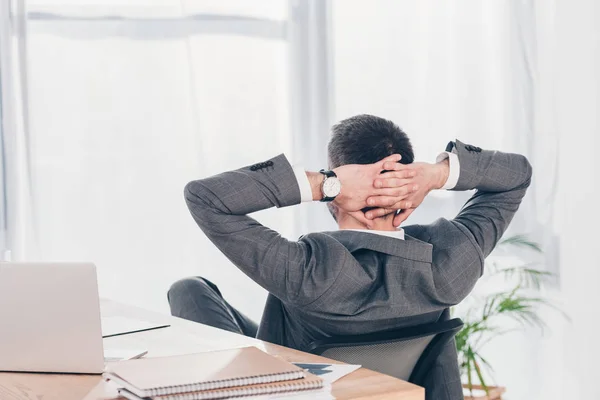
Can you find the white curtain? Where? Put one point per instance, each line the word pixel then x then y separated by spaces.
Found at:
pixel 570 354
pixel 17 233
pixel 128 101
pixel 518 76
pixel 441 71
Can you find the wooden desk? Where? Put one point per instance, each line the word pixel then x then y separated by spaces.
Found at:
pixel 184 337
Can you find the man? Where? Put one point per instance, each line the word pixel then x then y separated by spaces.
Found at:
pixel 368 276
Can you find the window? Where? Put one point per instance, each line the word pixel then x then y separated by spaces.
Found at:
pixel 131 100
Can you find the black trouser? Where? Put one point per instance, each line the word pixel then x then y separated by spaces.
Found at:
pixel 198 299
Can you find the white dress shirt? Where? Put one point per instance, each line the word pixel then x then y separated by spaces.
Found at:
pixel 453 175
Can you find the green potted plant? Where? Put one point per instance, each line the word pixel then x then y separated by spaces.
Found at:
pixel 485 317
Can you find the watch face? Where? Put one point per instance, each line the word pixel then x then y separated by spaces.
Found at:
pixel 331 187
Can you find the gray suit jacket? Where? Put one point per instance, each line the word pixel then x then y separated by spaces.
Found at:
pixel 349 282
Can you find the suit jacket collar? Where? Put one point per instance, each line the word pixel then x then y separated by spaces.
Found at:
pixel 410 248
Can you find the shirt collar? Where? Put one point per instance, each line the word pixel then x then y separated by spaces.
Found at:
pixel 398 233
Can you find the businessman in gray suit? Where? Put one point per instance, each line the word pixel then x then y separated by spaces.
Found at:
pixel 369 275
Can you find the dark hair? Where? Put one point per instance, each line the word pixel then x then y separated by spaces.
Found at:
pixel 366 139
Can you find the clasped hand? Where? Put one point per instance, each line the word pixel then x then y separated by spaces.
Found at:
pixel 388 186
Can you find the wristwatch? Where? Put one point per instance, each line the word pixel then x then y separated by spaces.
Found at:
pixel 331 186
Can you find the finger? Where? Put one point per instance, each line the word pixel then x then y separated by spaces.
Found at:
pixel 392 162
pixel 394 180
pixel 391 182
pixel 388 201
pixel 391 195
pixel 379 212
pixel 386 209
pixel 403 173
pixel 382 201
pixel 394 158
pixel 395 183
pixel 392 166
pixel 402 216
pixel 360 217
pixel 400 192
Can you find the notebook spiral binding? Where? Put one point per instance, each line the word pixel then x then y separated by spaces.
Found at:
pixel 253 380
pixel 247 391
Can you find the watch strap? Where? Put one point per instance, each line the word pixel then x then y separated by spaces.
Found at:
pixel 328 174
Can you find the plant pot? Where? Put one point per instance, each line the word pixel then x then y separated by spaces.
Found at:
pixel 479 393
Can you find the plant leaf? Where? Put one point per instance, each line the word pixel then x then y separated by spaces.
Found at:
pixel 484 316
pixel 528 277
pixel 521 241
pixel 480 377
pixel 469 376
pixel 484 361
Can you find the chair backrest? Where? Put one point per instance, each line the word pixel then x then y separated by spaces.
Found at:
pixel 406 353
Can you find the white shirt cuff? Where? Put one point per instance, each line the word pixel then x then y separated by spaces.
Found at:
pixel 454 173
pixel 303 183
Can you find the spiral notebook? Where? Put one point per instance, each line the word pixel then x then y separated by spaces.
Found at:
pixel 200 372
pixel 309 382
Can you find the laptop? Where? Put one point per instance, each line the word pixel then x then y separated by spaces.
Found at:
pixel 50 318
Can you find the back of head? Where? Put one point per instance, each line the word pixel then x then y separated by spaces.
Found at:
pixel 366 139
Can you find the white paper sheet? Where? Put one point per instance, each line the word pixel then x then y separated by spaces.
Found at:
pixel 329 372
pixel 111 355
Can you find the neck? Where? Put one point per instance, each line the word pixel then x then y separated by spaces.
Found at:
pixel 378 224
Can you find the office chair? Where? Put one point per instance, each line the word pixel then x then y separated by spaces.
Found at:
pixel 405 353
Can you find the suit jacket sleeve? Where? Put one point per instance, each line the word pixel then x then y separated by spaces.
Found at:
pixel 461 245
pixel 501 180
pixel 220 205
